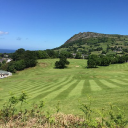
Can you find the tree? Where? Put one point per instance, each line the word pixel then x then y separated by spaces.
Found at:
pixel 30 59
pixel 66 54
pixel 104 61
pixel 93 61
pixel 20 65
pixel 19 54
pixel 52 53
pixel 3 62
pixel 62 62
pixel 11 67
pixel 78 55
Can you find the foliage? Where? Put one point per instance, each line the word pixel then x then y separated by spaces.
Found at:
pixel 11 67
pixel 105 60
pixel 112 118
pixel 62 62
pixel 42 54
pixel 93 61
pixel 19 54
pixel 11 116
pixel 52 53
pixel 66 54
pixel 78 55
pixel 21 59
pixel 4 67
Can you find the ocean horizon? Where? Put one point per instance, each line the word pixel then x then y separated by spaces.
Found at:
pixel 7 51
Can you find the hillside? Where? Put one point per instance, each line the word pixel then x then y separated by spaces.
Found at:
pixel 65 90
pixel 97 43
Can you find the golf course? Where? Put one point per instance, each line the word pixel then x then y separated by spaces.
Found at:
pixel 71 86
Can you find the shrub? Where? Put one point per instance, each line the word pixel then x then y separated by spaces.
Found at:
pixel 62 62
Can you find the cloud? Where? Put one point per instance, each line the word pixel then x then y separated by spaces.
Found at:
pixel 3 33
pixel 18 38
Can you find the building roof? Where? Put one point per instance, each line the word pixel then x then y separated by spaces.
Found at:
pixel 3 72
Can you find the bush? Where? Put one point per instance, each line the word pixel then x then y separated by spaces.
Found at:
pixel 13 117
pixel 62 62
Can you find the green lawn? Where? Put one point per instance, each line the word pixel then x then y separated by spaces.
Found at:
pixel 70 86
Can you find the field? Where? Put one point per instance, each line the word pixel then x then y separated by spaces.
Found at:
pixel 70 86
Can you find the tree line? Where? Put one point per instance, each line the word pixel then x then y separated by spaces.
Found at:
pixel 102 60
pixel 22 59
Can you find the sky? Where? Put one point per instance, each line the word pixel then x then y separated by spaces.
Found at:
pixel 46 24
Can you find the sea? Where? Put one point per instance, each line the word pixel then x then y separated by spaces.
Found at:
pixel 7 51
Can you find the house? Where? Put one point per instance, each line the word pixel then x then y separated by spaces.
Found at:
pixel 4 74
pixel 5 59
pixel 74 55
pixel 6 56
pixel 84 56
pixel 8 60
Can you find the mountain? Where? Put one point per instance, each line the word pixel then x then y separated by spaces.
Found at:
pixel 97 43
pixel 84 35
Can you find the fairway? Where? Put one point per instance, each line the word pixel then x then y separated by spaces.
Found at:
pixel 70 86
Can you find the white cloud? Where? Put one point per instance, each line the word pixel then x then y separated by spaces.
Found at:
pixel 3 33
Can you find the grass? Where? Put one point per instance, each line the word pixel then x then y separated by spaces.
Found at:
pixel 70 86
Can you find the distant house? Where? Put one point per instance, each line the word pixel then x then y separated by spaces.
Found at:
pixel 4 74
pixel 74 55
pixel 6 56
pixel 84 56
pixel 5 59
pixel 8 60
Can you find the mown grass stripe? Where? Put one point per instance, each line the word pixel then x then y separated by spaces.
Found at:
pixel 102 85
pixel 119 81
pixel 23 85
pixel 63 91
pixel 37 86
pixel 64 94
pixel 125 80
pixel 40 95
pixel 53 86
pixel 46 86
pixel 117 84
pixel 86 87
pixel 110 85
pixel 78 89
pixel 28 88
pixel 94 86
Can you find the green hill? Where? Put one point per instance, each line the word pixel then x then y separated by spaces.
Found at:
pixel 96 43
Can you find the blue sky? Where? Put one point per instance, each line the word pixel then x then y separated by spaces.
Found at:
pixel 46 24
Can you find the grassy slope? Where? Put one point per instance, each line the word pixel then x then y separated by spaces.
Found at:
pixel 69 86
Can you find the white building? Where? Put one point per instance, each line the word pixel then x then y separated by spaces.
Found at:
pixel 4 74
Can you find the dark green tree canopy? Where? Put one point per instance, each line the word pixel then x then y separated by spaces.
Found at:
pixel 62 62
pixel 21 59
